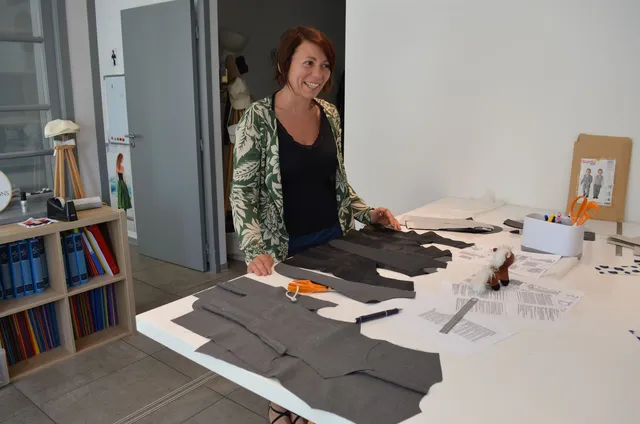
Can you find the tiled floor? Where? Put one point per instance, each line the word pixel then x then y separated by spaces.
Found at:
pixel 108 384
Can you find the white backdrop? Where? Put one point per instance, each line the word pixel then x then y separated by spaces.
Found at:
pixel 461 97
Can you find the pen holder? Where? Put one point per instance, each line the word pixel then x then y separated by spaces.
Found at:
pixel 542 236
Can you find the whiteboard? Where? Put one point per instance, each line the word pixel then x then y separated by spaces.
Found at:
pixel 116 100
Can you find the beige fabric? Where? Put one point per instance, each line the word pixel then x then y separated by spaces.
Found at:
pixel 59 127
pixel 239 94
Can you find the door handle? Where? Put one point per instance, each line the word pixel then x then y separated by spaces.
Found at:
pixel 131 137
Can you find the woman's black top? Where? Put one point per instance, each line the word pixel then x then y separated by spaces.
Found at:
pixel 309 180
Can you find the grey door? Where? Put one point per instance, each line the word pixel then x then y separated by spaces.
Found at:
pixel 159 53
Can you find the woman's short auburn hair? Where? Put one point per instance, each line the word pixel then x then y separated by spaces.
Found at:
pixel 289 42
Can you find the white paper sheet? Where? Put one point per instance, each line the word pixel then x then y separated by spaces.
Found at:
pixel 468 335
pixel 564 299
pixel 524 301
pixel 527 264
pixel 532 264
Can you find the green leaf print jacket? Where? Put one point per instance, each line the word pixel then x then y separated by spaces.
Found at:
pixel 256 187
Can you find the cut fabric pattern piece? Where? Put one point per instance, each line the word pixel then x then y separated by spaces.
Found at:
pixel 244 285
pixel 332 348
pixel 387 238
pixel 346 266
pixel 448 224
pixel 357 397
pixel 367 383
pixel 364 293
pixel 408 263
pixel 619 270
pixel 359 269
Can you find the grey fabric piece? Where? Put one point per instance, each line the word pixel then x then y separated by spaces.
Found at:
pixel 356 397
pixel 244 285
pixel 286 328
pixel 447 224
pixel 362 397
pixel 229 335
pixel 332 348
pixel 408 263
pixel 364 293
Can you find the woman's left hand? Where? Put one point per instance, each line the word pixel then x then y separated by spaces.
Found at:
pixel 383 216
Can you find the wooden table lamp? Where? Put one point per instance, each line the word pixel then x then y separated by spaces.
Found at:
pixel 64 152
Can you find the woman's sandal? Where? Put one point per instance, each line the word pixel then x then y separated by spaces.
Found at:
pixel 286 414
pixel 297 417
pixel 281 414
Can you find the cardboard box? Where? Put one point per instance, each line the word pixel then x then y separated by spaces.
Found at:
pixel 592 148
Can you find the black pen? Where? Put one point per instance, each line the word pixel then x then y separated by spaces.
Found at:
pixel 377 315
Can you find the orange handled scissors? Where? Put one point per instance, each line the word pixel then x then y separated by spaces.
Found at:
pixel 307 286
pixel 587 210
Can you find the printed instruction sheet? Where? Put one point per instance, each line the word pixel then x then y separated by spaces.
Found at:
pixel 527 264
pixel 468 335
pixel 520 301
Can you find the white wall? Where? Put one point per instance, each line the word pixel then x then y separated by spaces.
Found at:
pixel 83 106
pixel 265 21
pixel 460 97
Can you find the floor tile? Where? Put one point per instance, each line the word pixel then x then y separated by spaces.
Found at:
pixel 180 363
pixel 250 400
pixel 140 262
pixel 172 278
pixel 77 371
pixel 144 343
pixel 116 395
pixel 222 385
pixel 183 408
pixel 226 411
pixel 148 297
pixel 196 289
pixel 235 269
pixel 13 402
pixel 31 416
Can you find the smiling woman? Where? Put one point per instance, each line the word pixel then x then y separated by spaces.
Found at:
pixel 289 188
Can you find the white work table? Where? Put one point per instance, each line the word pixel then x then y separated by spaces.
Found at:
pixel 584 370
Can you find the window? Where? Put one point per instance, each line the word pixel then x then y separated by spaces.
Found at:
pixel 30 89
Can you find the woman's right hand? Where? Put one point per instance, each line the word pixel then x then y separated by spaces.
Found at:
pixel 261 265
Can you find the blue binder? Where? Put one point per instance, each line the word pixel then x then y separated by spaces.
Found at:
pixel 71 260
pixel 25 267
pixel 54 324
pixel 36 265
pixel 16 273
pixel 65 261
pixel 5 272
pixel 43 261
pixel 82 263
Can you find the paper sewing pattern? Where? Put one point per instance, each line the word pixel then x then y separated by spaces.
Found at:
pixel 527 264
pixel 596 180
pixel 521 301
pixel 468 335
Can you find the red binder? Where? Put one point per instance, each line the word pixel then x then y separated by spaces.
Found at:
pixel 105 249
